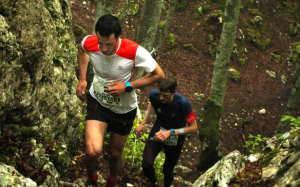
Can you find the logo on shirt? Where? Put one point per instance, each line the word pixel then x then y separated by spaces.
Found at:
pixel 120 68
pixel 159 110
pixel 173 115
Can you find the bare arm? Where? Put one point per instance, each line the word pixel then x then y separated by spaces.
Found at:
pixel 163 135
pixel 83 60
pixel 141 129
pixel 155 76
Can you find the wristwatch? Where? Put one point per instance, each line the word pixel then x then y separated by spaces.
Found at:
pixel 173 133
pixel 128 87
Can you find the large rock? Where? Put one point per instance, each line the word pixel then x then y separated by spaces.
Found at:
pixel 280 158
pixel 9 176
pixel 222 171
pixel 37 72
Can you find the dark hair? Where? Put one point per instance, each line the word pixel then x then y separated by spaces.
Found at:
pixel 107 25
pixel 168 84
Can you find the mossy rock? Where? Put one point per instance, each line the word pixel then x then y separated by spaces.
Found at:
pixel 254 12
pixel 294 29
pixel 189 47
pixel 161 24
pixel 276 57
pixel 255 38
pixel 171 41
pixel 242 61
pixel 234 74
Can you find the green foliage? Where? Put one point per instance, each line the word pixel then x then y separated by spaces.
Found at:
pixel 134 149
pixel 254 144
pixel 298 49
pixel 295 122
pixel 81 126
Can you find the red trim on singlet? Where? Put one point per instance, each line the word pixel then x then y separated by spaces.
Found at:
pixel 91 43
pixel 190 118
pixel 128 50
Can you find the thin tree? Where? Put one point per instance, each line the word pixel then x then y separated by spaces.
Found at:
pixel 168 22
pixel 209 131
pixel 147 28
pixel 103 7
pixel 294 97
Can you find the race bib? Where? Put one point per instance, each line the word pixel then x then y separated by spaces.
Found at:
pixel 99 90
pixel 171 141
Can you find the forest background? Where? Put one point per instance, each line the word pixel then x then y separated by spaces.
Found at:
pixel 263 66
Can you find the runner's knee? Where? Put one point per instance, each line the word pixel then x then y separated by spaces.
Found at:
pixel 94 151
pixel 116 154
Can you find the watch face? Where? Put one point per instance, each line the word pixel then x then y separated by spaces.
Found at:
pixel 128 89
pixel 173 132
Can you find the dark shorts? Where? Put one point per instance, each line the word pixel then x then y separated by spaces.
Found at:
pixel 118 123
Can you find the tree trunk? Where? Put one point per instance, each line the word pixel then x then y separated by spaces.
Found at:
pixel 294 96
pixel 103 7
pixel 169 19
pixel 148 23
pixel 209 131
pixel 148 26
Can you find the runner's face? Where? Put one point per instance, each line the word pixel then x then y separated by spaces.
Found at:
pixel 108 45
pixel 165 97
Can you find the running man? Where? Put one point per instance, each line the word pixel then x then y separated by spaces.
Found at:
pixel 111 101
pixel 174 120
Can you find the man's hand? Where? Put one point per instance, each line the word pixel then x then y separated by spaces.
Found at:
pixel 116 88
pixel 162 135
pixel 140 130
pixel 80 90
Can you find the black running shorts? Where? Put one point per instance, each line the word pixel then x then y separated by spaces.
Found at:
pixel 118 123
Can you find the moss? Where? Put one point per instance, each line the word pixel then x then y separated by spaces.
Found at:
pixel 171 41
pixel 79 31
pixel 12 127
pixel 295 58
pixel 254 12
pixel 161 24
pixel 209 134
pixel 293 29
pixel 234 74
pixel 189 47
pixel 268 157
pixel 298 49
pixel 289 7
pixel 255 38
pixel 242 61
pixel 27 131
pixel 134 9
pixel 182 5
pixel 206 9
